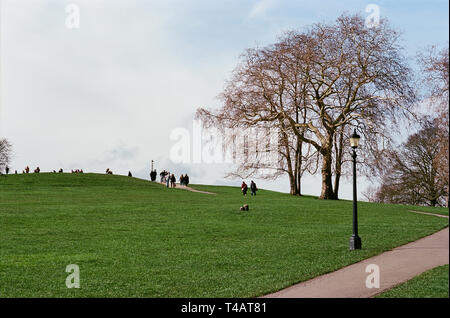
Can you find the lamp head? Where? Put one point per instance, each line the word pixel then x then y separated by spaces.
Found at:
pixel 354 140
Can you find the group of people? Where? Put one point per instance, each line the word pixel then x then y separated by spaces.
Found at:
pixel 27 170
pixel 164 176
pixel 253 188
pixel 184 180
pixel 169 178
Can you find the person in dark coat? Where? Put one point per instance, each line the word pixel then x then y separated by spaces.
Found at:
pixel 129 174
pixel 153 175
pixel 181 180
pixel 253 188
pixel 172 180
pixel 186 180
pixel 244 188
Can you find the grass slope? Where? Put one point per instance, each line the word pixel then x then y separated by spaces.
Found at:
pixel 133 238
pixel 431 284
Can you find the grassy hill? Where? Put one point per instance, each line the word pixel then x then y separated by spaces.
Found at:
pixel 134 238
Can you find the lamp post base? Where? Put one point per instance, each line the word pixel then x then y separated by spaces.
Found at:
pixel 355 242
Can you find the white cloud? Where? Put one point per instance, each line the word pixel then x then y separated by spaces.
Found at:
pixel 261 8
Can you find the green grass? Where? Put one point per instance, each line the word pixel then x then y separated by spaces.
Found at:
pixel 431 284
pixel 133 238
pixel 429 209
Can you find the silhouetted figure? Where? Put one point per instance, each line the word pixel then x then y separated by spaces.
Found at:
pixel 27 169
pixel 244 188
pixel 186 180
pixel 253 188
pixel 181 180
pixel 129 174
pixel 153 175
pixel 172 181
pixel 37 170
pixel 61 170
pixel 16 172
pixel 7 169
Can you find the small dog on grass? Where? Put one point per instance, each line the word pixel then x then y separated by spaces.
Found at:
pixel 244 207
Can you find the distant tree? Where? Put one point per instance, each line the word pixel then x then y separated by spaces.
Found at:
pixel 5 154
pixel 435 70
pixel 413 173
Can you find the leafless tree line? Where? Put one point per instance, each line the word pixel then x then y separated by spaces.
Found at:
pixel 417 171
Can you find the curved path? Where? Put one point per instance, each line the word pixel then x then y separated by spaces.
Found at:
pixel 188 188
pixel 396 266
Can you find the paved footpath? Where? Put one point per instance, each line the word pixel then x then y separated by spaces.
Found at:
pixel 396 267
pixel 178 186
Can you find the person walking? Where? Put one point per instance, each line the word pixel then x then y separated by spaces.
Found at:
pixel 172 180
pixel 244 188
pixel 181 180
pixel 186 180
pixel 253 188
pixel 167 181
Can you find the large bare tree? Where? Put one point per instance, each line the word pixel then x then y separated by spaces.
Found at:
pixel 318 84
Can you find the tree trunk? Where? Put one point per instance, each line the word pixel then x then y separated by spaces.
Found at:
pixel 298 167
pixel 291 174
pixel 327 185
pixel 338 163
pixel 336 186
pixel 292 184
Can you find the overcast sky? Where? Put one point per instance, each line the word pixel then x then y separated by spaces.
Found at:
pixel 109 93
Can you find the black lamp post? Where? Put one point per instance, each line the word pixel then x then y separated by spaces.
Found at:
pixel 355 240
